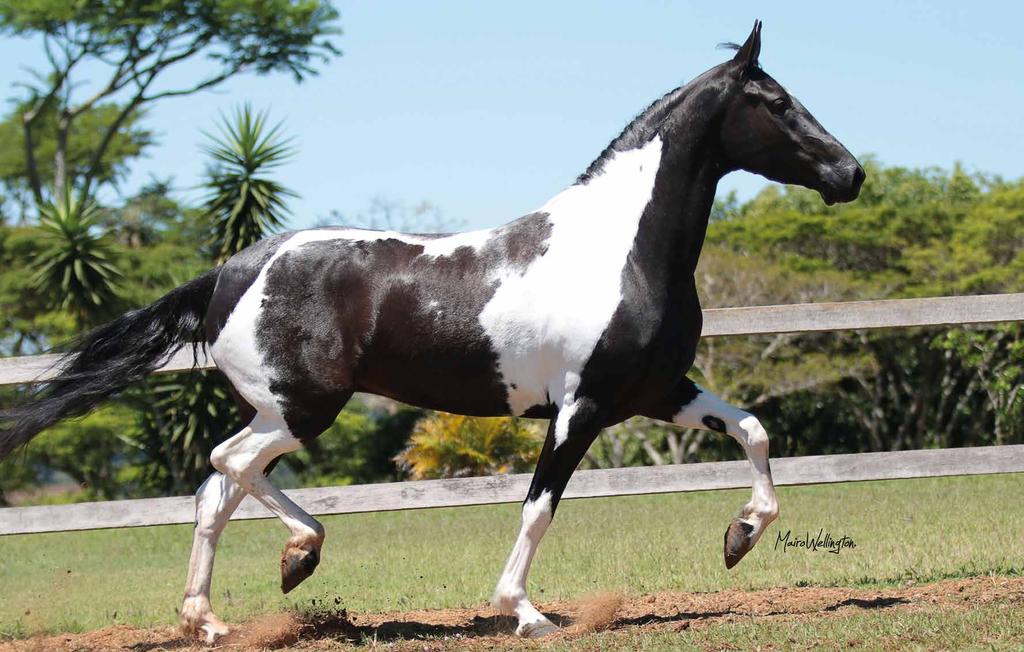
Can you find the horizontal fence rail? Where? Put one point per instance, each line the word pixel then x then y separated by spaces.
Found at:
pixel 762 320
pixel 718 322
pixel 811 469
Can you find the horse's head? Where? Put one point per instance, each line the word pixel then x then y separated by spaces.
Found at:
pixel 765 130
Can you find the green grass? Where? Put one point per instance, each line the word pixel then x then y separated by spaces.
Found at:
pixel 911 529
pixel 986 627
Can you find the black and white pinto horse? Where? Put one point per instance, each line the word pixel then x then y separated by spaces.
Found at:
pixel 583 312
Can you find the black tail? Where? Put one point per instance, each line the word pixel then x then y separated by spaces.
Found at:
pixel 111 357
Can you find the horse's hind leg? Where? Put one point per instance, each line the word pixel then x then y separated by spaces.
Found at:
pixel 243 457
pixel 216 500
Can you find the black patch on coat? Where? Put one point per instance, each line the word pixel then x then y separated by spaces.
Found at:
pixel 713 423
pixel 380 317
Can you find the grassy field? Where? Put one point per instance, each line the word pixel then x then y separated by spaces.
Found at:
pixel 987 627
pixel 905 531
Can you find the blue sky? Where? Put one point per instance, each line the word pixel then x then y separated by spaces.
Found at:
pixel 487 109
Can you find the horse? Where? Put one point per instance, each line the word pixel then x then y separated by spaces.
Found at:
pixel 584 312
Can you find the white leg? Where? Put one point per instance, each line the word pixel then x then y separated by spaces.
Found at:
pixel 709 412
pixel 243 458
pixel 216 500
pixel 510 594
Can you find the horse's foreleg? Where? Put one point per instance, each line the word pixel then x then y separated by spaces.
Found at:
pixel 558 459
pixel 216 500
pixel 692 407
pixel 243 458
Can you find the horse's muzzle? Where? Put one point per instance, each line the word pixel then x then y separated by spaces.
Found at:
pixel 843 185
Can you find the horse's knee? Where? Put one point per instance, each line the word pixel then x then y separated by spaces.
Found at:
pixel 752 434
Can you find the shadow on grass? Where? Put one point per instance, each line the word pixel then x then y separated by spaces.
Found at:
pixel 876 603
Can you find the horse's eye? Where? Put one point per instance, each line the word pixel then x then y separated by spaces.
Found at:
pixel 778 105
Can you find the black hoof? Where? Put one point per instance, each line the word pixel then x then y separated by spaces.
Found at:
pixel 296 565
pixel 737 542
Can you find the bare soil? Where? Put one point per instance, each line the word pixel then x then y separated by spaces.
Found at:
pixel 325 627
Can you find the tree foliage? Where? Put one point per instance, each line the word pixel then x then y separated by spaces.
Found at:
pixel 83 139
pixel 449 445
pixel 244 204
pixel 76 269
pixel 135 44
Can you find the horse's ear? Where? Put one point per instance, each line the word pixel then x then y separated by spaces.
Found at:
pixel 751 49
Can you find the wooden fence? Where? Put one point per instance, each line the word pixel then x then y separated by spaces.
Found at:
pixel 816 469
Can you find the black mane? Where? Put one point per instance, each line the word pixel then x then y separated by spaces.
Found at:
pixel 644 126
pixel 638 132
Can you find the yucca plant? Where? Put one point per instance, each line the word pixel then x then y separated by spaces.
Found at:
pixel 182 417
pixel 244 205
pixel 450 446
pixel 77 268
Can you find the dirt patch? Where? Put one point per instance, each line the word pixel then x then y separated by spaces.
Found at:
pixel 482 628
pixel 597 613
pixel 272 631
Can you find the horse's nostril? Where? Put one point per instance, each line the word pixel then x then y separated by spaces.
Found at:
pixel 858 176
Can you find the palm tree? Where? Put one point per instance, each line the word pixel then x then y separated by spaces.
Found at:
pixel 76 269
pixel 243 204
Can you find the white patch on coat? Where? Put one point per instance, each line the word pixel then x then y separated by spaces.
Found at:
pixel 706 404
pixel 568 410
pixel 545 322
pixel 510 593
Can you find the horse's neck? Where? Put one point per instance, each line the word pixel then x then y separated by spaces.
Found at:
pixel 656 199
pixel 672 231
pixel 647 206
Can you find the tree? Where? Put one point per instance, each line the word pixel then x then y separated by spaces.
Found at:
pixel 391 215
pixel 76 270
pixel 450 446
pixel 90 451
pixel 912 233
pixel 127 144
pixel 245 206
pixel 135 44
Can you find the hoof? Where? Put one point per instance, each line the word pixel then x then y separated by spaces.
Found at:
pixel 737 541
pixel 202 624
pixel 536 629
pixel 213 631
pixel 297 563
